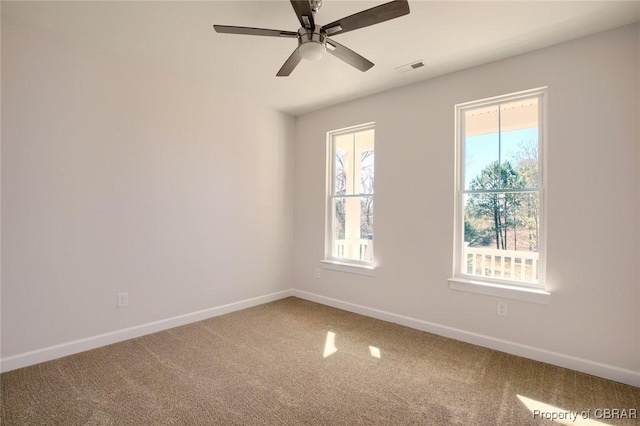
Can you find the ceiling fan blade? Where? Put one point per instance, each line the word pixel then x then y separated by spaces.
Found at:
pixel 229 29
pixel 372 16
pixel 348 55
pixel 290 64
pixel 304 13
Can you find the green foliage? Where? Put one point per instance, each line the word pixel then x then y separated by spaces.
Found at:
pixel 476 234
pixel 507 220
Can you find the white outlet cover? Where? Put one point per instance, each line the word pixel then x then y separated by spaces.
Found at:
pixel 502 309
pixel 123 300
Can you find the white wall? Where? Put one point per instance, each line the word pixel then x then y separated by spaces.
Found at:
pixel 120 177
pixel 593 203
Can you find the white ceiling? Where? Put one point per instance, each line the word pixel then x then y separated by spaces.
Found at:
pixel 447 35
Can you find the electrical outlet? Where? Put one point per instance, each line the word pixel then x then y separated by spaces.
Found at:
pixel 123 300
pixel 317 273
pixel 502 309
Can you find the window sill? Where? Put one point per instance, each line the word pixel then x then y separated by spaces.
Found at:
pixel 351 268
pixel 506 291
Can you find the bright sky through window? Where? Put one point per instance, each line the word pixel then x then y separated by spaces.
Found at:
pixel 480 149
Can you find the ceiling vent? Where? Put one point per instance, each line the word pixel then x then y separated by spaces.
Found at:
pixel 410 67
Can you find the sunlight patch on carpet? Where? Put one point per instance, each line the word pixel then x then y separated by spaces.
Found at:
pixel 330 344
pixel 374 352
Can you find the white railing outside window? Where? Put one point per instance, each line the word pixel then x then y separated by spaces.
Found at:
pixel 357 249
pixel 504 264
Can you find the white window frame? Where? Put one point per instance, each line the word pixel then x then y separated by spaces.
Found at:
pixel 496 286
pixel 330 261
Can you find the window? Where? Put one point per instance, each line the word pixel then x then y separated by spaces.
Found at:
pixel 350 196
pixel 499 184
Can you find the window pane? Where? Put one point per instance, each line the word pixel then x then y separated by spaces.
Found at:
pixel 501 235
pixel 363 152
pixel 343 163
pixel 519 114
pixel 519 139
pixel 481 141
pixel 505 134
pixel 353 228
pixel 521 157
pixel 340 182
pixel 338 208
pixel 493 177
pixel 366 218
pixel 366 172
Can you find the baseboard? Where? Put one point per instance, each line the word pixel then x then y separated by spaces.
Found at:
pixel 58 351
pixel 610 372
pixel 617 374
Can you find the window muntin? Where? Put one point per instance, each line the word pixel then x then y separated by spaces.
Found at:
pixel 499 190
pixel 351 195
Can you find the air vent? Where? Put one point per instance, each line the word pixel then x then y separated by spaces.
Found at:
pixel 410 67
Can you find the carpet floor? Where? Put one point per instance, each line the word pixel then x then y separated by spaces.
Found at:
pixel 294 362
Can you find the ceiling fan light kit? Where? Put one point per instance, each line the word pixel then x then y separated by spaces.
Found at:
pixel 312 46
pixel 313 40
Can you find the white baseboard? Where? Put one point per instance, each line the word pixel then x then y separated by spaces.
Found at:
pixel 57 351
pixel 610 372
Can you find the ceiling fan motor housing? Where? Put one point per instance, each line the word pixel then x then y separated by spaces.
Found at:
pixel 312 44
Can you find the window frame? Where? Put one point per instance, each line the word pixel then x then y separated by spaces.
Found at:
pixel 497 285
pixel 330 261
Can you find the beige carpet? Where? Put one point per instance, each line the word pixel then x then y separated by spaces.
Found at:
pixel 267 366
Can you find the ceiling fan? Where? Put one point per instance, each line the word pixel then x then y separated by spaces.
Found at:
pixel 314 41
